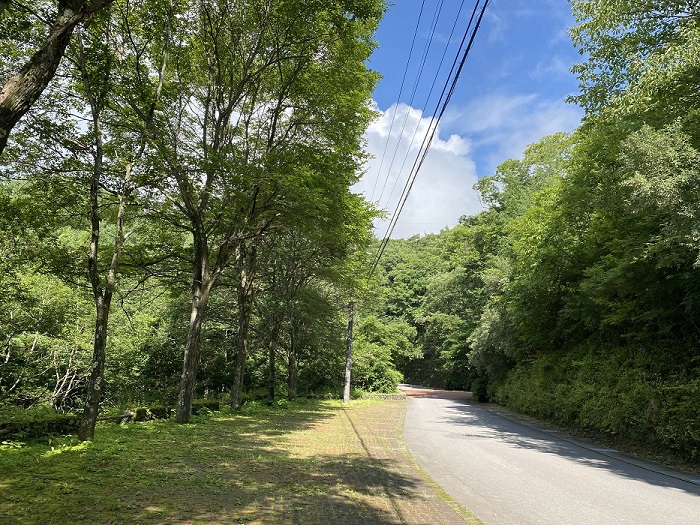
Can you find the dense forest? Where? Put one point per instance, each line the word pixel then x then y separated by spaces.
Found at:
pixel 177 221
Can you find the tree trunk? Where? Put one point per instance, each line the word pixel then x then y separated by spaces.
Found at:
pixel 95 384
pixel 22 90
pixel 271 360
pixel 245 270
pixel 292 368
pixel 271 372
pixel 348 353
pixel 202 283
pixel 200 299
pixel 102 295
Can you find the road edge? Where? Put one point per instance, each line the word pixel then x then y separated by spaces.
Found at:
pixel 441 493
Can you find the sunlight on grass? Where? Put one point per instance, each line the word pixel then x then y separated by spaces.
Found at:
pixel 298 464
pixel 60 449
pixel 11 446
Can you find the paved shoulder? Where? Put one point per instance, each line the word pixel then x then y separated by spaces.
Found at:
pixel 413 496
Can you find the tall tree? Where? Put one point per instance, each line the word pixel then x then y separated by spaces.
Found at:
pixel 248 136
pixel 642 58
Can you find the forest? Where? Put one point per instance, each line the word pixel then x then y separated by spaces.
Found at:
pixel 176 214
pixel 177 222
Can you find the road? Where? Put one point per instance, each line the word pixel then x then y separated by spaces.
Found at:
pixel 510 472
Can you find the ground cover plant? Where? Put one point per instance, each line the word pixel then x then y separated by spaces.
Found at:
pixel 308 462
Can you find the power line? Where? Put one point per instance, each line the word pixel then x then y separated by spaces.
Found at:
pixel 425 146
pixel 403 80
pixel 427 99
pixel 426 51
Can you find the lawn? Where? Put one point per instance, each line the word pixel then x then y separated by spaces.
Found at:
pixel 314 462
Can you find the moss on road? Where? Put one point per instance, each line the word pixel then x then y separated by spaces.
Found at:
pixel 312 463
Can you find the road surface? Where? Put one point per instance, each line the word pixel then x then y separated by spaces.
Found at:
pixel 510 472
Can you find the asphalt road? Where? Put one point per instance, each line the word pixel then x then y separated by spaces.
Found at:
pixel 509 472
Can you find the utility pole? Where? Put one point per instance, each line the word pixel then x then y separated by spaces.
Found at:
pixel 348 354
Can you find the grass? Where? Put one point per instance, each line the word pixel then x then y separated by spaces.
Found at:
pixel 313 462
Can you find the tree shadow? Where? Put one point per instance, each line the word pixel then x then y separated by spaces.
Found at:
pixel 228 469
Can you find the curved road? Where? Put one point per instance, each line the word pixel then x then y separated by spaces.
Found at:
pixel 510 472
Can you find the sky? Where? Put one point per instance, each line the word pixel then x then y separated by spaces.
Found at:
pixel 510 93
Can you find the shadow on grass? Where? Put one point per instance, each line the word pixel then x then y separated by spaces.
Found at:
pixel 228 469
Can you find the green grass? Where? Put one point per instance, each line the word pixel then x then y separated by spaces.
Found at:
pixel 306 463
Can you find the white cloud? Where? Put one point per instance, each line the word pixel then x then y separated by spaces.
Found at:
pixel 482 134
pixel 490 112
pixel 554 66
pixel 501 127
pixel 443 190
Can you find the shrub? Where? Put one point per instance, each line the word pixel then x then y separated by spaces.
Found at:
pixel 612 391
pixel 33 423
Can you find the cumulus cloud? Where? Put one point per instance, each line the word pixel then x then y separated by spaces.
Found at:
pixel 472 141
pixel 443 190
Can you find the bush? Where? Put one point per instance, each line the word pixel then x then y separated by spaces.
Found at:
pixel 479 389
pixel 212 406
pixel 33 423
pixel 615 392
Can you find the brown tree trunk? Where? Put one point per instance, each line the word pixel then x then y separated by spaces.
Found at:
pixel 271 361
pixel 22 90
pixel 292 367
pixel 202 283
pixel 271 372
pixel 245 269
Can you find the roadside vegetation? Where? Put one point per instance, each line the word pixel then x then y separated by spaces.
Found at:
pixel 177 227
pixel 176 218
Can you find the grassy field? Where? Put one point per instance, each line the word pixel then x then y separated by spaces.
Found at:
pixel 311 463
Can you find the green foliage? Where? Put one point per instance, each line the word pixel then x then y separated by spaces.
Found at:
pixel 214 127
pixel 376 347
pixel 616 392
pixel 575 295
pixel 42 421
pixel 642 57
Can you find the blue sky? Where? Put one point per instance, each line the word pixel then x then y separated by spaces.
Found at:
pixel 511 93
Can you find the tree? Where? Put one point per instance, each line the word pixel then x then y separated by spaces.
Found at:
pixel 248 137
pixel 97 162
pixel 642 58
pixel 21 91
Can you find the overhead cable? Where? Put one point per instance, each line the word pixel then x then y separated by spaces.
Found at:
pixel 403 80
pixel 444 100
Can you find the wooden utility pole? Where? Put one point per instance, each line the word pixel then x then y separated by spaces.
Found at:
pixel 348 354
